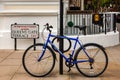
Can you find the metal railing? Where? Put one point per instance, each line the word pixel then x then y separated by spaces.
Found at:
pixel 108 23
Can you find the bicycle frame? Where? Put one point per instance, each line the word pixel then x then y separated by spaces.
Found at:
pixel 72 54
pixel 74 57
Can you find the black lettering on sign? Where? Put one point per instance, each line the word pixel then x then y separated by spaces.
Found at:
pixel 24 31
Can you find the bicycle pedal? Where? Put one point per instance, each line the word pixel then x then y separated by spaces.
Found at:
pixel 69 70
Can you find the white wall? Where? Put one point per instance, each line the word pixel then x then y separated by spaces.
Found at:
pixel 110 39
pixel 25 12
pixel 106 40
pixel 5 29
pixel 41 17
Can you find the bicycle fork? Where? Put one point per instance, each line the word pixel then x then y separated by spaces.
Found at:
pixel 43 51
pixel 44 48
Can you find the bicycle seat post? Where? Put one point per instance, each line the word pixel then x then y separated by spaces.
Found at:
pixel 78 34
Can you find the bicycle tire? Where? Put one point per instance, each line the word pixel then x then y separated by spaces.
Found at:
pixel 34 67
pixel 96 69
pixel 69 45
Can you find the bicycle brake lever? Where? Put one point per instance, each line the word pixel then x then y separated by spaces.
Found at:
pixel 51 26
pixel 46 24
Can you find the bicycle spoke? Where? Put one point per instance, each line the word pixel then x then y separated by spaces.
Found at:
pixel 46 57
pixel 98 63
pixel 38 68
pixel 96 53
pixel 32 54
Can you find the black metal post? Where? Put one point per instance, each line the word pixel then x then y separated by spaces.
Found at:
pixel 34 42
pixel 105 24
pixel 114 22
pixel 61 40
pixel 15 44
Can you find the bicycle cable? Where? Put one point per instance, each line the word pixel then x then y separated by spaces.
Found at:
pixel 42 35
pixel 47 27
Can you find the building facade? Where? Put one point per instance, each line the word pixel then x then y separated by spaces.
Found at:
pixel 42 12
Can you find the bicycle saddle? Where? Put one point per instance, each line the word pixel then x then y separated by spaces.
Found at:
pixel 81 27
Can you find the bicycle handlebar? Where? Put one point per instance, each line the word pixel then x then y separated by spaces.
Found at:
pixel 48 27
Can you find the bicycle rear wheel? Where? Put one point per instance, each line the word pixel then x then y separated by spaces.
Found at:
pixel 38 68
pixel 99 61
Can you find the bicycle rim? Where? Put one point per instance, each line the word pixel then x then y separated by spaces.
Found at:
pixel 41 68
pixel 100 60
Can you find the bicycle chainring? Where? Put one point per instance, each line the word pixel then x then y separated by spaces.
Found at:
pixel 69 64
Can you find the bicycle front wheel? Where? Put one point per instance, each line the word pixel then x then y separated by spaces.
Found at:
pixel 98 63
pixel 38 68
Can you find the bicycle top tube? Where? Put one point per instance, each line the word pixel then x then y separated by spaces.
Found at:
pixel 63 37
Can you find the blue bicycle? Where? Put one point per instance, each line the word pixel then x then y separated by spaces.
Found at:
pixel 90 59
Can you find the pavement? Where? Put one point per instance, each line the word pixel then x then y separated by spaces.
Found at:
pixel 11 68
